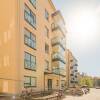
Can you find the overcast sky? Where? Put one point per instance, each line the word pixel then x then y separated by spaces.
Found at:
pixel 83 24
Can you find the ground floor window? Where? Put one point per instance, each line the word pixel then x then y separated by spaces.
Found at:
pixel 29 81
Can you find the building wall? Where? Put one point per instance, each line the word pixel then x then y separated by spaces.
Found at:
pixel 41 40
pixel 9 48
pixel 13 48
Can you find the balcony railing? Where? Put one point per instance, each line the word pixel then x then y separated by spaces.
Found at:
pixel 76 70
pixel 59 26
pixel 58 57
pixel 59 71
pixel 76 65
pixel 60 41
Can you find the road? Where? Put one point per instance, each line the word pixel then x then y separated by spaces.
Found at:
pixel 93 95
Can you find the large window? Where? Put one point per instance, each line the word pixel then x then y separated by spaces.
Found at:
pixel 29 39
pixel 29 81
pixel 46 65
pixel 46 48
pixel 30 17
pixel 29 61
pixel 33 2
pixel 46 15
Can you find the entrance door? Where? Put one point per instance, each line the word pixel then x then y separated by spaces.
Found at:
pixel 49 84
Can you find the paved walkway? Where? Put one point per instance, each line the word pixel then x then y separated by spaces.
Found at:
pixel 93 95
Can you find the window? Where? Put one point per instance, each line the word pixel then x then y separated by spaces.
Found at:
pixel 30 61
pixel 29 16
pixel 62 83
pixel 71 60
pixel 46 48
pixel 29 39
pixel 33 2
pixel 52 26
pixel 71 74
pixel 46 15
pixel 46 32
pixel 46 65
pixel 57 83
pixel 75 76
pixel 29 81
pixel 33 81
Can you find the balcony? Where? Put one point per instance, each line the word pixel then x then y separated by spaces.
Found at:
pixel 58 57
pixel 59 71
pixel 76 65
pixel 59 22
pixel 47 71
pixel 75 76
pixel 58 41
pixel 56 27
pixel 76 70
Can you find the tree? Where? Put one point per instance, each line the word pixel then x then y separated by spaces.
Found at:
pixel 86 80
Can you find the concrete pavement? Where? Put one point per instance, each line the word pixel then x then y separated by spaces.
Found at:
pixel 93 95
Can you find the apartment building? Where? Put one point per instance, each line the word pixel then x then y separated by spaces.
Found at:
pixel 32 46
pixel 72 69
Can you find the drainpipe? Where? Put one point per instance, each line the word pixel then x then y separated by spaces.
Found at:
pixel 44 81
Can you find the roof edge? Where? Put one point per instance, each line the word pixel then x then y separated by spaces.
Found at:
pixel 51 3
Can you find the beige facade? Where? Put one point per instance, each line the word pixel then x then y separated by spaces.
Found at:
pixel 72 69
pixel 32 46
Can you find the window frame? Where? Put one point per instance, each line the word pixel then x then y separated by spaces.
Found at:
pixel 30 83
pixel 46 51
pixel 30 67
pixel 34 5
pixel 46 15
pixel 30 38
pixel 46 65
pixel 31 15
pixel 46 32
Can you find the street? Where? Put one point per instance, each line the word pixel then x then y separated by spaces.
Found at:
pixel 93 95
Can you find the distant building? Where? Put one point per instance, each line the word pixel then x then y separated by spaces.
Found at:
pixel 72 69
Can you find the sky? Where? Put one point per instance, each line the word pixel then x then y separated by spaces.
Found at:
pixel 82 19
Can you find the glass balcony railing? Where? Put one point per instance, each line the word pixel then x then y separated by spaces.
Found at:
pixel 59 26
pixel 59 71
pixel 60 41
pixel 58 57
pixel 76 65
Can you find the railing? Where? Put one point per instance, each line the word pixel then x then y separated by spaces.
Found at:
pixel 76 65
pixel 59 26
pixel 60 41
pixel 41 95
pixel 59 71
pixel 58 56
